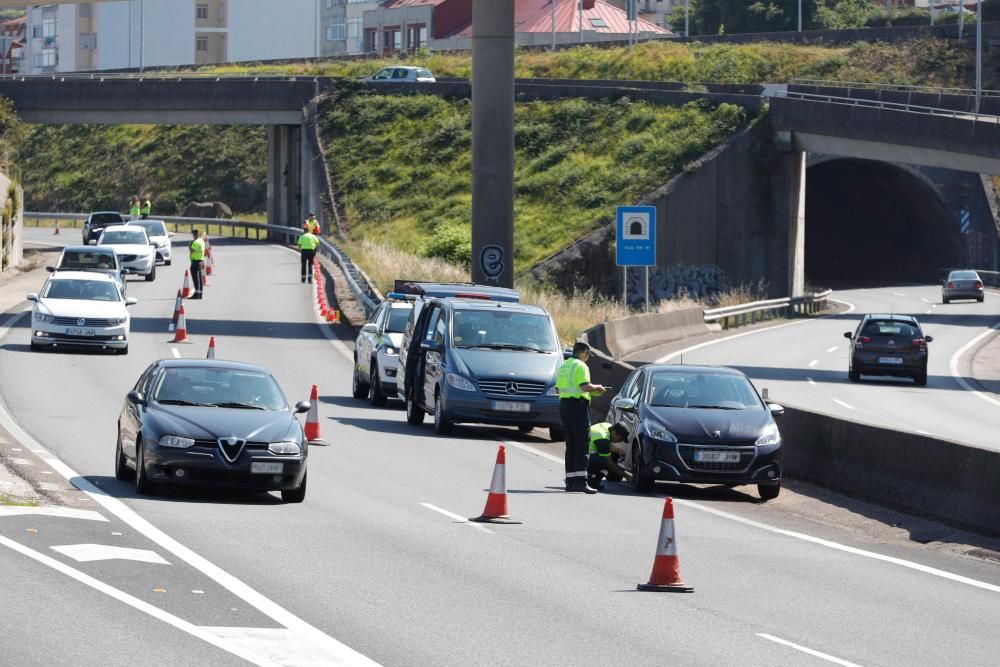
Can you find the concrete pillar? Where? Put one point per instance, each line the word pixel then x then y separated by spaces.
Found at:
pixel 309 188
pixel 493 142
pixel 797 225
pixel 285 165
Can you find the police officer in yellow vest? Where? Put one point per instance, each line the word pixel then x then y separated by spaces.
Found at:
pixel 146 209
pixel 311 224
pixel 134 208
pixel 602 463
pixel 197 256
pixel 575 390
pixel 308 242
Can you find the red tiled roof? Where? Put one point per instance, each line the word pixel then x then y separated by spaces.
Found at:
pixel 536 16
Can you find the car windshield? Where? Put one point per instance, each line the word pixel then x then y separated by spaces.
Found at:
pixel 890 328
pixel 87 259
pixel 397 320
pixel 502 329
pixel 124 237
pixel 156 228
pixel 84 290
pixel 219 387
pixel 963 275
pixel 703 390
pixel 105 218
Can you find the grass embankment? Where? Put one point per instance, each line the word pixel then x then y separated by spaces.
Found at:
pixel 403 164
pixel 99 167
pixel 926 61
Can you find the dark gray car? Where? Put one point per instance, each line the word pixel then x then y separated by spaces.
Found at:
pixel 893 345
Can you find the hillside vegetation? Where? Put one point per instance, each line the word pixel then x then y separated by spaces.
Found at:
pixel 403 164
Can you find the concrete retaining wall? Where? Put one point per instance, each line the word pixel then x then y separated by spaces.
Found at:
pixel 639 332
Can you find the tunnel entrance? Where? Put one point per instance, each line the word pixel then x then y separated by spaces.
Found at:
pixel 872 223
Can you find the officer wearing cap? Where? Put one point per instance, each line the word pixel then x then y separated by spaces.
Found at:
pixel 601 464
pixel 575 390
pixel 311 224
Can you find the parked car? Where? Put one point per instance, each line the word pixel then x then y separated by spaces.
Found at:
pixel 474 360
pixel 376 352
pixel 96 222
pixel 401 74
pixel 211 423
pixel 135 251
pixel 91 258
pixel 698 424
pixel 79 308
pixel 156 231
pixel 962 285
pixel 892 345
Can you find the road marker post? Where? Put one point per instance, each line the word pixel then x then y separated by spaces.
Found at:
pixel 666 575
pixel 497 509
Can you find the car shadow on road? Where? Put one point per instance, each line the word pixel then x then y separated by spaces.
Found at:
pixel 765 373
pixel 183 494
pixel 62 349
pixel 704 493
pixel 354 403
pixel 242 328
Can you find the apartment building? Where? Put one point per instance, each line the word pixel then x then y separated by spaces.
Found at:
pixel 11 44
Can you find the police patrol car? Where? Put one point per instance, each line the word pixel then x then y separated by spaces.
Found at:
pixel 376 352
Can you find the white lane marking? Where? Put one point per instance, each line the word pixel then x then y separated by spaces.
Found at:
pixel 955 358
pixel 86 553
pixel 197 592
pixel 327 330
pixel 117 534
pixel 898 294
pixel 934 305
pixel 277 644
pixel 922 433
pixel 833 349
pixel 811 381
pixel 842 404
pixel 337 653
pixel 813 363
pixel 950 576
pixel 532 450
pixel 61 512
pixel 673 355
pixel 177 353
pixel 456 517
pixel 928 312
pixel 136 603
pixel 926 300
pixel 812 652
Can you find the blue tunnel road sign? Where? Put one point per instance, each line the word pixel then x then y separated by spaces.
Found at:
pixel 636 237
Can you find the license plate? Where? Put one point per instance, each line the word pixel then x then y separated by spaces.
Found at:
pixel 890 360
pixel 267 468
pixel 511 406
pixel 717 457
pixel 74 331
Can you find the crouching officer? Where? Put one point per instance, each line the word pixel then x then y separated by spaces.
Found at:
pixel 575 390
pixel 601 463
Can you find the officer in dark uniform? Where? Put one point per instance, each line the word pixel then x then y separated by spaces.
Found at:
pixel 602 462
pixel 575 390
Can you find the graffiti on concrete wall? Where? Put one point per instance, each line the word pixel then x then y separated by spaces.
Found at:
pixel 667 282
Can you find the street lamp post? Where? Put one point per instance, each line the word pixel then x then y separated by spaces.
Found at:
pixel 553 24
pixel 687 6
pixel 979 52
pixel 800 15
pixel 142 13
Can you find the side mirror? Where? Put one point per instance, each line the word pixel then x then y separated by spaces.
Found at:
pixel 929 339
pixel 92 242
pixel 775 409
pixel 152 243
pixel 170 234
pixel 370 327
pixel 624 404
pixel 135 398
pixel 131 301
pixel 302 406
pixel 32 297
pixel 431 346
pixel 125 271
pixel 50 269
pixel 848 335
pixel 567 353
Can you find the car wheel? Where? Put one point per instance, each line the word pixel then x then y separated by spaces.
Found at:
pixel 980 299
pixel 35 347
pixel 122 471
pixel 525 428
pixel 640 480
pixel 358 388
pixel 853 375
pixel 920 379
pixel 122 350
pixel 944 299
pixel 296 495
pixel 152 274
pixel 441 425
pixel 375 394
pixel 556 434
pixel 768 491
pixel 166 262
pixel 414 413
pixel 143 485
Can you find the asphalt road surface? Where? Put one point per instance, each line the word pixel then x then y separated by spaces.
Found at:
pixel 377 562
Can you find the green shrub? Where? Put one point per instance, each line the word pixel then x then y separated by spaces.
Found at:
pixel 452 242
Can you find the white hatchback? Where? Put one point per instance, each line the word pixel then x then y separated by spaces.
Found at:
pixel 401 74
pixel 77 308
pixel 134 249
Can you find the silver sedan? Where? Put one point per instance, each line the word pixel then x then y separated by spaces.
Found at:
pixel 962 285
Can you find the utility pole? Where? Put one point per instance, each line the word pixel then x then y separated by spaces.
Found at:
pixel 579 4
pixel 142 14
pixel 687 6
pixel 493 142
pixel 553 24
pixel 961 18
pixel 800 15
pixel 979 52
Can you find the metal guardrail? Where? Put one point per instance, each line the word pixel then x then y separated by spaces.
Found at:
pixel 362 291
pixel 751 313
pixel 860 85
pixel 891 106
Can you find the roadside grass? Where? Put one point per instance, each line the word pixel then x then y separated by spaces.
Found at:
pixel 8 501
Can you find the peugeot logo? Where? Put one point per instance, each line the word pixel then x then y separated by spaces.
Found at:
pixel 80 322
pixel 892 343
pixel 716 434
pixel 512 388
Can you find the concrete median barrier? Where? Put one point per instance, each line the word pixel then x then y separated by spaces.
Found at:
pixel 628 335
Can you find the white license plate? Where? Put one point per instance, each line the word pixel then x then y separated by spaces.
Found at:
pixel 717 457
pixel 267 468
pixel 511 406
pixel 890 360
pixel 74 331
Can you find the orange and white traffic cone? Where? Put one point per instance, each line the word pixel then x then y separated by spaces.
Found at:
pixel 336 316
pixel 666 574
pixel 496 510
pixel 208 261
pixel 331 316
pixel 181 333
pixel 211 348
pixel 177 311
pixel 186 293
pixel 312 419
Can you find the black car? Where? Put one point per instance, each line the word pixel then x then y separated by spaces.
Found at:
pixel 214 423
pixel 96 222
pixel 700 425
pixel 891 345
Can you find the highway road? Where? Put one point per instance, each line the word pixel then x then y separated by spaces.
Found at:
pixel 377 563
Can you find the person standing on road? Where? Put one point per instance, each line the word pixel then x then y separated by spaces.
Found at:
pixel 146 209
pixel 197 256
pixel 311 224
pixel 575 390
pixel 308 242
pixel 601 462
pixel 134 208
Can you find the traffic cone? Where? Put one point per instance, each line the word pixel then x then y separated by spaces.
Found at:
pixel 187 284
pixel 181 333
pixel 177 311
pixel 666 576
pixel 211 348
pixel 208 261
pixel 331 316
pixel 56 232
pixel 336 316
pixel 496 510
pixel 312 419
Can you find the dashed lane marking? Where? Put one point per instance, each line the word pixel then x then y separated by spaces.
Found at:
pixel 813 363
pixel 809 651
pixel 456 517
pixel 61 512
pixel 898 294
pixel 833 349
pixel 87 553
pixel 811 381
pixel 177 353
pixel 842 404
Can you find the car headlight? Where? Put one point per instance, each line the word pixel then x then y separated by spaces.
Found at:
pixel 176 441
pixel 389 351
pixel 45 319
pixel 553 391
pixel 658 431
pixel 116 321
pixel 288 447
pixel 458 382
pixel 769 436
